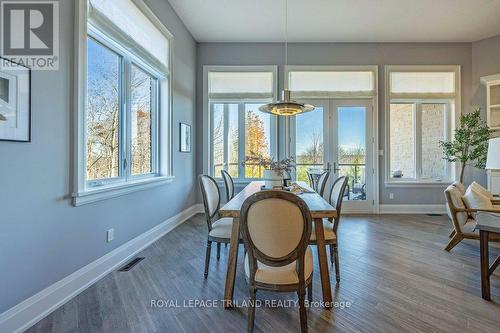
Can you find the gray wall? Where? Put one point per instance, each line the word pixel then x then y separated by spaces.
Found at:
pixel 42 237
pixel 345 54
pixel 485 61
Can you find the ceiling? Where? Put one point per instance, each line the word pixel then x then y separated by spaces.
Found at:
pixel 340 20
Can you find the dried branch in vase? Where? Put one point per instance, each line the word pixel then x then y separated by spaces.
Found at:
pixel 279 166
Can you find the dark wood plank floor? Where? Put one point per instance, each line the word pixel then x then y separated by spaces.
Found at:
pixel 394 273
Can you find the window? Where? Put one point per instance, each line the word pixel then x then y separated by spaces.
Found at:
pixel 237 128
pixel 309 151
pixel 421 112
pixel 123 94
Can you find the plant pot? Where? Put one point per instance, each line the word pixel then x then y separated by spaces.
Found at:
pixel 272 179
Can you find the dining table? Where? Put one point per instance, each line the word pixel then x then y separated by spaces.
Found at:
pixel 319 209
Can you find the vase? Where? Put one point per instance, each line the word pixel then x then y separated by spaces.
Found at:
pixel 272 179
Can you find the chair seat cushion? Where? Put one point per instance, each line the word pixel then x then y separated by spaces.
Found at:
pixel 222 228
pixel 281 275
pixel 327 230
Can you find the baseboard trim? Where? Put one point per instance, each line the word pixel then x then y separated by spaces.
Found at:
pixel 27 313
pixel 412 209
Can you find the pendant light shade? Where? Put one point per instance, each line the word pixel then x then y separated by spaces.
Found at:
pixel 286 107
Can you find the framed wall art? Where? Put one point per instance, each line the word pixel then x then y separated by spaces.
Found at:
pixel 15 101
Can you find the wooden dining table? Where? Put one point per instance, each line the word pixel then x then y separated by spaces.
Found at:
pixel 319 209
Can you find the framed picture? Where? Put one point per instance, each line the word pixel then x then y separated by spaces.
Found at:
pixel 15 101
pixel 185 138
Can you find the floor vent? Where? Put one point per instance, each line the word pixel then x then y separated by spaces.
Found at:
pixel 434 214
pixel 130 265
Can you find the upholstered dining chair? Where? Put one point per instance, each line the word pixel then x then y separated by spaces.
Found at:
pixel 330 226
pixel 229 184
pixel 463 219
pixel 219 229
pixel 276 227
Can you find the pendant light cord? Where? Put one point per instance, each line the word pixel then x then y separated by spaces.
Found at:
pixel 286 33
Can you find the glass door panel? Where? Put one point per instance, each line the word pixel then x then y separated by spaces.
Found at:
pixel 351 152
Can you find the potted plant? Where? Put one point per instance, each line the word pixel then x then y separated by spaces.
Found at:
pixel 470 143
pixel 274 170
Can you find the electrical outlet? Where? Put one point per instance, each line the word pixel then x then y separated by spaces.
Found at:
pixel 110 235
pixel 391 196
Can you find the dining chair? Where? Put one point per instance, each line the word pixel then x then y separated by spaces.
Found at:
pixel 330 226
pixel 229 184
pixel 219 229
pixel 322 180
pixel 276 227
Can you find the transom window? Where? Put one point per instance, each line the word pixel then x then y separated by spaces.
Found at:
pixel 421 113
pixel 237 128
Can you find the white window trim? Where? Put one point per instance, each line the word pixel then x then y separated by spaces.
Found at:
pixel 207 113
pixel 82 193
pixel 453 119
pixel 368 95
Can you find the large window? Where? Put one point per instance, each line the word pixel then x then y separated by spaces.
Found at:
pixel 124 95
pixel 421 113
pixel 238 129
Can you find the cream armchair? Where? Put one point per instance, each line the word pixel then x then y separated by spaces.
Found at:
pixel 463 219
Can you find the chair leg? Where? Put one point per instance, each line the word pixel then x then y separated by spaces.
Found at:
pixel 331 253
pixel 302 310
pixel 310 291
pixel 452 233
pixel 454 241
pixel 207 257
pixel 251 309
pixel 337 265
pixel 218 251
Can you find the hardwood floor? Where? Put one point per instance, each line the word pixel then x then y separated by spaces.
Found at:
pixel 394 273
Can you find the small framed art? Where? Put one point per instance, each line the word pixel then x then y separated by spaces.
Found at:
pixel 185 138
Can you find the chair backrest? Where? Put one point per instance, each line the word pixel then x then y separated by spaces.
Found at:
pixel 454 201
pixel 228 181
pixel 211 198
pixel 460 186
pixel 275 227
pixel 337 197
pixel 311 180
pixel 322 180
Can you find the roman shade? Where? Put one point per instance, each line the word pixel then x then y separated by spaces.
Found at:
pixel 332 81
pixel 422 82
pixel 134 28
pixel 241 84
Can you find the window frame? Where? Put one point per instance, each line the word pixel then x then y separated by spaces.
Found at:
pixel 453 110
pixel 273 135
pixel 417 130
pixel 208 103
pixel 88 191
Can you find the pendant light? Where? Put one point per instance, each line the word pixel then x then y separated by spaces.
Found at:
pixel 285 106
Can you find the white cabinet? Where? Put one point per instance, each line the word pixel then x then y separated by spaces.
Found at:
pixel 494 181
pixel 492 83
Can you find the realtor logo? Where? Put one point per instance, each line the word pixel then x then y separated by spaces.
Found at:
pixel 30 33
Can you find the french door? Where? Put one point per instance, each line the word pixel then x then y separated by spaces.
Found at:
pixel 338 137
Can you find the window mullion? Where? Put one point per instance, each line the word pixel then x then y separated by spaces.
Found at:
pixel 225 166
pixel 126 124
pixel 241 140
pixel 418 140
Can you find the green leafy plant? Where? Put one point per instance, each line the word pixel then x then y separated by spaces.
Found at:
pixel 470 143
